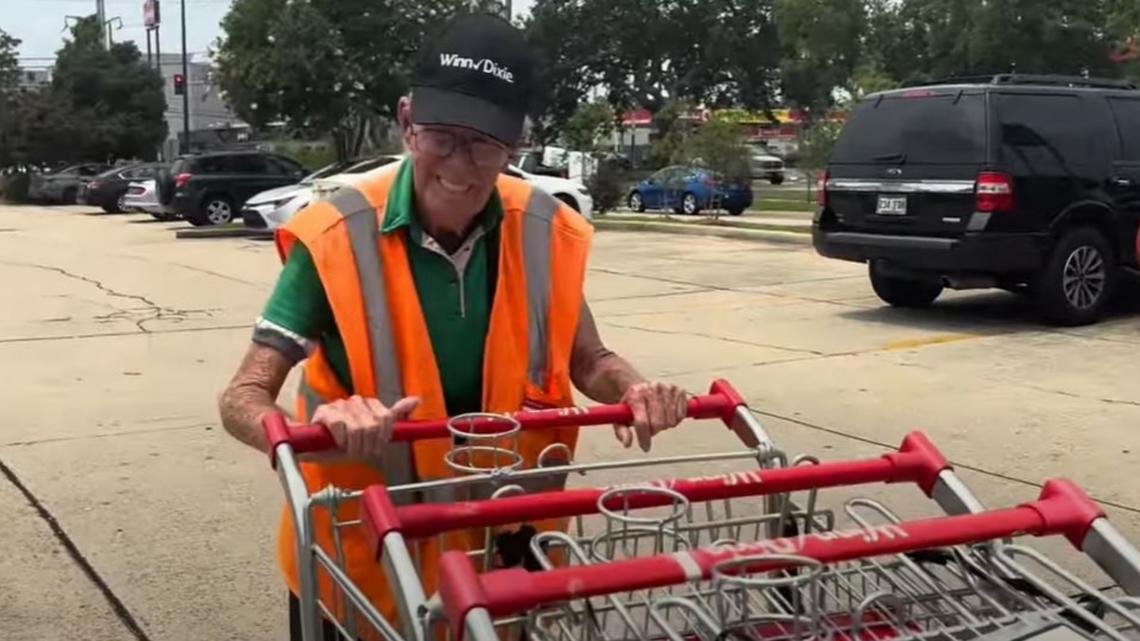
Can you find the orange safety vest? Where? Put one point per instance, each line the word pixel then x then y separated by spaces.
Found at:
pixel 366 276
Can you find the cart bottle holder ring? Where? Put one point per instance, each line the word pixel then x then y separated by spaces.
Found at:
pixel 483 443
pixel 625 530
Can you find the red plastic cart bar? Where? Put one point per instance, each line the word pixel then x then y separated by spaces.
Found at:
pixel 1062 508
pixel 721 402
pixel 916 461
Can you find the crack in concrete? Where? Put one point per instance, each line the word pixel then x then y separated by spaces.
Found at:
pixel 64 439
pixel 714 337
pixel 174 330
pixel 116 604
pixel 155 311
pixel 1108 401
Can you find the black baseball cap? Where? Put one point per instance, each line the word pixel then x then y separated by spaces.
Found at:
pixel 476 71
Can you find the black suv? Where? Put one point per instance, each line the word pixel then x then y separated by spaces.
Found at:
pixel 1027 183
pixel 210 188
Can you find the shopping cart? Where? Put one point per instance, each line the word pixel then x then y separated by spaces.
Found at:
pixel 486 465
pixel 954 577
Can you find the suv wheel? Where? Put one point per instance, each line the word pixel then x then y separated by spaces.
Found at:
pixel 898 291
pixel 214 210
pixel 1079 279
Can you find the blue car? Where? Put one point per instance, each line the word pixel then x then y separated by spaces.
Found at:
pixel 688 190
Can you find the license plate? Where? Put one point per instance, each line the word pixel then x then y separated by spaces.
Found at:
pixel 891 206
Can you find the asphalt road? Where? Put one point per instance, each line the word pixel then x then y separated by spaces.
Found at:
pixel 130 514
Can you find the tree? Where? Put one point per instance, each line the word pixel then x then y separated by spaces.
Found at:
pixel 103 104
pixel 9 64
pixel 719 146
pixel 821 47
pixel 111 93
pixel 9 81
pixel 323 67
pixel 648 53
pixel 564 38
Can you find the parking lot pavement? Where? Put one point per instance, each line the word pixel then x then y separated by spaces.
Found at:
pixel 117 338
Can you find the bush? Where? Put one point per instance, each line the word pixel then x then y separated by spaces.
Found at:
pixel 608 186
pixel 14 187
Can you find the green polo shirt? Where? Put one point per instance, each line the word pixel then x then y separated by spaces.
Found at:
pixel 455 295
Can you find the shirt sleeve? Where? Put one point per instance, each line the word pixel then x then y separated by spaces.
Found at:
pixel 298 311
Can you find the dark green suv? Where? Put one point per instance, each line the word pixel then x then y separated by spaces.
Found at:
pixel 210 188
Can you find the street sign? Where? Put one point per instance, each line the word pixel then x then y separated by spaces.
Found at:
pixel 150 14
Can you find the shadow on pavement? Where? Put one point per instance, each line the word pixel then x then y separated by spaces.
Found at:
pixel 989 311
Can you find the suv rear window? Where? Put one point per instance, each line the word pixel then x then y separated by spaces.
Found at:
pixel 1049 133
pixel 915 128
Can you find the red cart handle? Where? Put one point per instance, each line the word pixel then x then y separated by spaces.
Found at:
pixel 1062 508
pixel 916 461
pixel 721 401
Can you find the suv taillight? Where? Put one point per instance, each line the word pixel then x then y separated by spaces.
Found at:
pixel 181 179
pixel 821 191
pixel 993 193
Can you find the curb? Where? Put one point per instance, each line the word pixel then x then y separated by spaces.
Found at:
pixel 223 232
pixel 736 233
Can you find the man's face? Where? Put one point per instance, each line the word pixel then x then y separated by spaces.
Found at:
pixel 449 183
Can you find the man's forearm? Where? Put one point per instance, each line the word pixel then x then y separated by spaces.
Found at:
pixel 605 377
pixel 252 394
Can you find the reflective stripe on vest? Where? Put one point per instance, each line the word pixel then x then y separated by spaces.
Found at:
pixel 363 234
pixel 537 221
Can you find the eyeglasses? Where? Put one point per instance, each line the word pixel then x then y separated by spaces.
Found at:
pixel 439 143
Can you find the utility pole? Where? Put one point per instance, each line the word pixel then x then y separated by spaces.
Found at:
pixel 101 15
pixel 185 94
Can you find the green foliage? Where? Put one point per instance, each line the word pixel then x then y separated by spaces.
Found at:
pixel 103 104
pixel 9 64
pixel 821 41
pixel 326 66
pixel 646 53
pixel 592 122
pixel 718 146
pixel 608 186
pixel 816 143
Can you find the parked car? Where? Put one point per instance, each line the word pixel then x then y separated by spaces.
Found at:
pixel 109 189
pixel 212 188
pixel 62 186
pixel 688 190
pixel 272 208
pixel 531 163
pixel 142 196
pixel 571 192
pixel 766 165
pixel 1027 183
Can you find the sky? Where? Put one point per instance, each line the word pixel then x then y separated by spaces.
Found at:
pixel 40 23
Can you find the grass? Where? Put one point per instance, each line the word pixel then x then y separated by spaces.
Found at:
pixel 783 204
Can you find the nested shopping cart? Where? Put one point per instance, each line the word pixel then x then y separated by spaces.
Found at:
pixel 730 556
pixel 485 464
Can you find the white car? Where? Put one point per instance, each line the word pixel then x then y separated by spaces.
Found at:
pixel 271 209
pixel 142 197
pixel 766 165
pixel 571 192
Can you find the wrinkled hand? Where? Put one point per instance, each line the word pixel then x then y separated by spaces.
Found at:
pixel 362 427
pixel 656 407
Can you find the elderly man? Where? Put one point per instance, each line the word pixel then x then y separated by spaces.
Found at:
pixel 441 287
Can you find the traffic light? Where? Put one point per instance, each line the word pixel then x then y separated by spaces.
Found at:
pixel 179 84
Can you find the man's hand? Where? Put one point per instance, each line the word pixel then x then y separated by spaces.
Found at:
pixel 656 407
pixel 362 427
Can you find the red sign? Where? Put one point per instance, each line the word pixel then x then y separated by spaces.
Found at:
pixel 150 14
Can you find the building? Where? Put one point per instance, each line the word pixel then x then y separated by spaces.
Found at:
pixel 33 77
pixel 212 123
